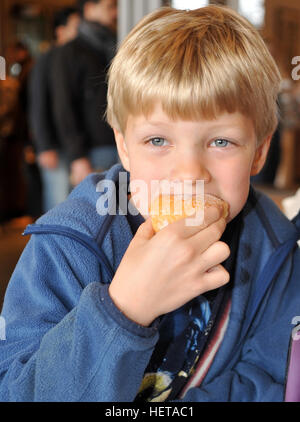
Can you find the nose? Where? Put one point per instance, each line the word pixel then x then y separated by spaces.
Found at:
pixel 190 167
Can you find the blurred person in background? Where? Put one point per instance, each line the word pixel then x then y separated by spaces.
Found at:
pixel 53 165
pixel 79 90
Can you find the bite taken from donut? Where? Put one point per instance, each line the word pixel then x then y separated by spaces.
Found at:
pixel 166 209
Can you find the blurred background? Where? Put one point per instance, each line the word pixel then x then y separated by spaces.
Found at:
pixel 45 45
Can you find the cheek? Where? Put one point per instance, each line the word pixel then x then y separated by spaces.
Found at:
pixel 238 197
pixel 143 167
pixel 145 183
pixel 234 187
pixel 140 187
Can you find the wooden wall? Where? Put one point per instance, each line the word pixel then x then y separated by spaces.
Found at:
pixel 282 30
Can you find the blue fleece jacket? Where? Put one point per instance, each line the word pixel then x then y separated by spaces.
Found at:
pixel 66 340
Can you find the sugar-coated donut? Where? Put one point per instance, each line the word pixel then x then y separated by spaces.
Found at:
pixel 166 209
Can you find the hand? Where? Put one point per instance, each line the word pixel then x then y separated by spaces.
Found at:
pixel 160 273
pixel 80 168
pixel 48 159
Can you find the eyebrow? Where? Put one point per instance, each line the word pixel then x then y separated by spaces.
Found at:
pixel 155 127
pixel 165 125
pixel 213 126
pixel 154 123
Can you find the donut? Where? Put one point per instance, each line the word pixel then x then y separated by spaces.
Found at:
pixel 166 209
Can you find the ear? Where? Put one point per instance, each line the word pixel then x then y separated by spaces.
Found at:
pixel 261 155
pixel 122 149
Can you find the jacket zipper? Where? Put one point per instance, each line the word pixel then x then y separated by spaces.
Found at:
pixel 81 238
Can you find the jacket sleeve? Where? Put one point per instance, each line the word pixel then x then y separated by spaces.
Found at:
pixel 65 341
pixel 68 102
pixel 40 117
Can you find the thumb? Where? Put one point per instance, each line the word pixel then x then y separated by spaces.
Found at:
pixel 145 231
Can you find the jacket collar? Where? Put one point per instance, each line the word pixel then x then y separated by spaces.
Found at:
pixel 99 37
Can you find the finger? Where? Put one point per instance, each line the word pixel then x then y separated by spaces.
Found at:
pixel 216 277
pixel 208 236
pixel 213 256
pixel 145 231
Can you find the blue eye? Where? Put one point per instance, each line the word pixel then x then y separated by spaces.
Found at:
pixel 221 143
pixel 158 142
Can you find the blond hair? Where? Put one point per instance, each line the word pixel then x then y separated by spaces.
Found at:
pixel 197 64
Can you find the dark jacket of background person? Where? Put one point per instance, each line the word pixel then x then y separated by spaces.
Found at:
pixel 41 119
pixel 80 90
pixel 40 113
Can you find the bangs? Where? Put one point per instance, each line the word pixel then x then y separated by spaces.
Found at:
pixel 187 91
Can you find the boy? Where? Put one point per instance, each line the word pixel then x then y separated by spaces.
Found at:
pixel 100 308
